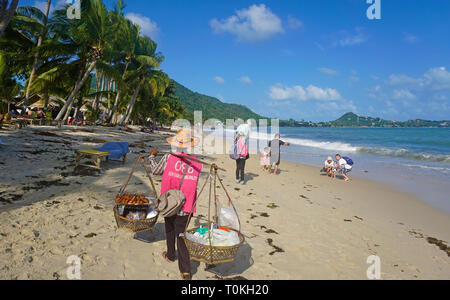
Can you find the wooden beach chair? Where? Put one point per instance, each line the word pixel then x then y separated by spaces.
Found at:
pixel 96 155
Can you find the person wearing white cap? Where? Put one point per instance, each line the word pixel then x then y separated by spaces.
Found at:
pixel 330 167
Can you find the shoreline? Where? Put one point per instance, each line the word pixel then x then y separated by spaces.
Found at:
pixel 299 225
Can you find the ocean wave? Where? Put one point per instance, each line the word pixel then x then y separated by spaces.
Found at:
pixel 346 148
pixel 443 169
pixel 404 153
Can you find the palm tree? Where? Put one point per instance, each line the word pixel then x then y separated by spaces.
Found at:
pixel 91 35
pixel 146 62
pixel 128 39
pixel 36 56
pixel 6 13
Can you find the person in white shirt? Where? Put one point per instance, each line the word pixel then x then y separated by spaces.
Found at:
pixel 330 167
pixel 343 167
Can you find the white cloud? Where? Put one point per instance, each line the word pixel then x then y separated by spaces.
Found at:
pixel 219 80
pixel 401 80
pixel 254 24
pixel 148 27
pixel 246 80
pixel 328 71
pixel 345 38
pixel 410 38
pixel 403 94
pixel 435 79
pixel 280 92
pixel 294 23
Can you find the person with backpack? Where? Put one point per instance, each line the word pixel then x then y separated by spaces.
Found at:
pixel 344 166
pixel 241 156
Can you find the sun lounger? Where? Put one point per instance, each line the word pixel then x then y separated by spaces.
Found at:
pixel 18 123
pixel 114 150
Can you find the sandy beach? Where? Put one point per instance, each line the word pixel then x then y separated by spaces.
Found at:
pixel 298 225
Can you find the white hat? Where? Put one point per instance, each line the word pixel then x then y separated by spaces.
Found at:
pixel 329 158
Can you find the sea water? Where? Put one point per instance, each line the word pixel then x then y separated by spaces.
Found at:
pixel 416 160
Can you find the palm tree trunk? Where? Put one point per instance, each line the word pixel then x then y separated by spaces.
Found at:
pixel 132 103
pixel 116 101
pixel 66 116
pixel 6 14
pixel 36 56
pixel 77 88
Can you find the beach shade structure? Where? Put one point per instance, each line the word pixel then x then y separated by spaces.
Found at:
pixel 114 150
pixel 133 213
pixel 210 254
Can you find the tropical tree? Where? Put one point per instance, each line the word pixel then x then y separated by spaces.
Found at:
pixel 90 35
pixel 145 73
pixel 36 55
pixel 6 13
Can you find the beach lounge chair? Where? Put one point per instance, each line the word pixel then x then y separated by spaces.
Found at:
pixel 114 150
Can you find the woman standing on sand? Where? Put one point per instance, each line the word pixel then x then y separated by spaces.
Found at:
pixel 243 157
pixel 180 174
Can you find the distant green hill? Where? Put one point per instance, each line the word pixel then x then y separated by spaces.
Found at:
pixel 211 107
pixel 353 120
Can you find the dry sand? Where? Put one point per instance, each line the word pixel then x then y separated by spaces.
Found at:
pixel 298 225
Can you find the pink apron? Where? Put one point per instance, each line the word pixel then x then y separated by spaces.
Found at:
pixel 172 177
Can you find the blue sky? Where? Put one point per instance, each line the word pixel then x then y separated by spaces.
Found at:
pixel 312 60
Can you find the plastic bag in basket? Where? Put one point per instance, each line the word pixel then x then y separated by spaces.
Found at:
pixel 227 216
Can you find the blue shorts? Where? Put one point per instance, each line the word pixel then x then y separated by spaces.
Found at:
pixel 344 171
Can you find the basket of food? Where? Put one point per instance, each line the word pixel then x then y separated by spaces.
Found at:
pixel 219 241
pixel 135 213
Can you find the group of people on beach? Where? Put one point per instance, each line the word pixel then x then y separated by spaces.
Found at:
pixel 342 166
pixel 270 157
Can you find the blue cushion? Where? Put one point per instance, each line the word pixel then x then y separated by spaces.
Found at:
pixel 116 150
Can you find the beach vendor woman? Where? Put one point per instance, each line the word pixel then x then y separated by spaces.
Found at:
pixel 186 173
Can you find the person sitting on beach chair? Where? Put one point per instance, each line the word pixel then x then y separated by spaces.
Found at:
pixel 330 167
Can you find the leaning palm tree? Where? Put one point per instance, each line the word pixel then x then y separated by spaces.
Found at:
pixel 145 73
pixel 36 55
pixel 91 35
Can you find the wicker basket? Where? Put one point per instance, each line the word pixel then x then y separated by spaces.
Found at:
pixel 213 255
pixel 134 225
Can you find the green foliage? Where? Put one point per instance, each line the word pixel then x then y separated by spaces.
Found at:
pixel 211 107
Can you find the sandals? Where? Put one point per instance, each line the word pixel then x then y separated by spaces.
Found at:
pixel 186 276
pixel 164 254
